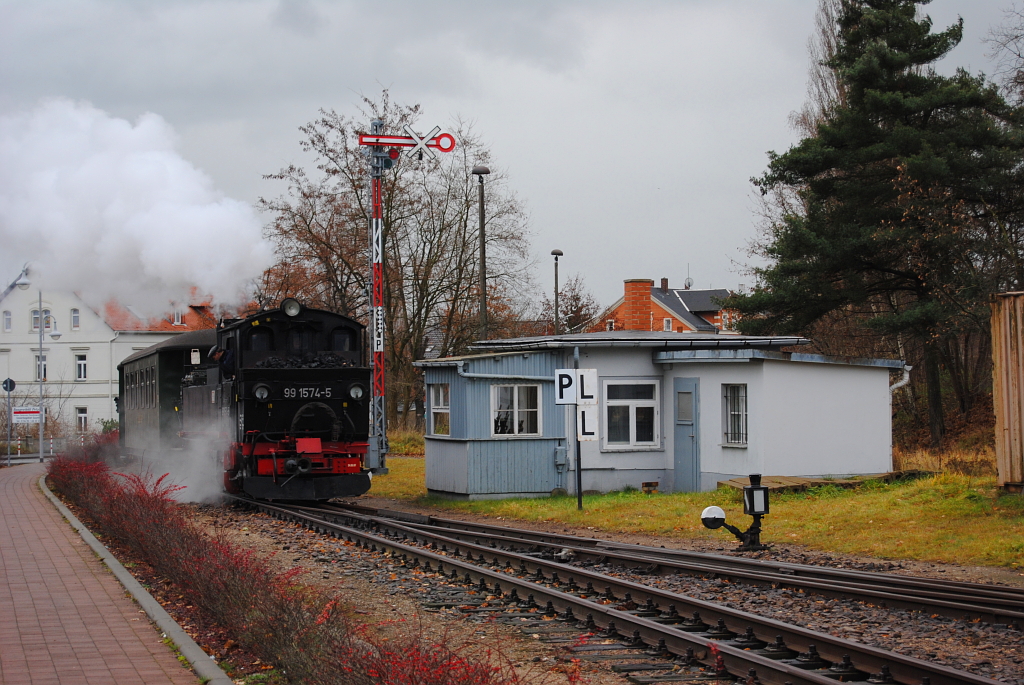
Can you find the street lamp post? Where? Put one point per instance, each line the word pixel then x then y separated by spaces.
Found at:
pixel 480 172
pixel 23 284
pixel 557 254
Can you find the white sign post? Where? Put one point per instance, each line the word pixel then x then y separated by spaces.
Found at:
pixel 579 387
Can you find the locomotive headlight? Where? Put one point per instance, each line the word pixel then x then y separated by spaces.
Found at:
pixel 356 392
pixel 261 392
pixel 291 306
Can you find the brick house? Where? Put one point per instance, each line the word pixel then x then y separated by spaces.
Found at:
pixel 645 307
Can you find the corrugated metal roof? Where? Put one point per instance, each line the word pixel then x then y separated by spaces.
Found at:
pixel 653 339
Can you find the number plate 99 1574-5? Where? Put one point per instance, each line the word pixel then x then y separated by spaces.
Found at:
pixel 308 392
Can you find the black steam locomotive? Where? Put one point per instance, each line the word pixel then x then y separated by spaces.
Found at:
pixel 280 399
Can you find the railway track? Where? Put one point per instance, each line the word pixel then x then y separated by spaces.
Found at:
pixel 653 635
pixel 953 599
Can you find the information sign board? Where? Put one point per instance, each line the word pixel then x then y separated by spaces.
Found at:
pixel 576 386
pixel 26 415
pixel 587 422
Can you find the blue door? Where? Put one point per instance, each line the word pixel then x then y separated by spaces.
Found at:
pixel 687 437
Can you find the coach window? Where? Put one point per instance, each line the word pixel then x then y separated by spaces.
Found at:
pixel 261 340
pixel 515 409
pixel 342 340
pixel 631 415
pixel 440 409
pixel 76 319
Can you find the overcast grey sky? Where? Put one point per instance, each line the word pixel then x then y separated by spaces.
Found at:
pixel 630 129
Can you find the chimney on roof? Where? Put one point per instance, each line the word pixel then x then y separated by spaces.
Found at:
pixel 637 304
pixel 664 286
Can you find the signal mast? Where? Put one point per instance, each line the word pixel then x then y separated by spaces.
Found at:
pixel 383 152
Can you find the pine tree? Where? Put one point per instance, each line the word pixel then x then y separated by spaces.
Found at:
pixel 902 189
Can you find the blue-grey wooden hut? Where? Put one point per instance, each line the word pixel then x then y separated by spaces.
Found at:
pixel 683 410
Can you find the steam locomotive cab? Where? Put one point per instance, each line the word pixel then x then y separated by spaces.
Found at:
pixel 286 404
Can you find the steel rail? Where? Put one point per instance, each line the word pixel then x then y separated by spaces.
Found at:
pixel 1003 609
pixel 954 599
pixel 867 659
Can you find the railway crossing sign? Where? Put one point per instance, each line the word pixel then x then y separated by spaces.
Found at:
pixel 435 140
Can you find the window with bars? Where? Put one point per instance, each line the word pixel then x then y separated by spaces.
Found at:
pixel 515 409
pixel 440 409
pixel 734 404
pixel 631 414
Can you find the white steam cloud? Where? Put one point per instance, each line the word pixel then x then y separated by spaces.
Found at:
pixel 108 208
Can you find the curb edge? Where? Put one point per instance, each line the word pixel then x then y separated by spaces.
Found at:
pixel 200 660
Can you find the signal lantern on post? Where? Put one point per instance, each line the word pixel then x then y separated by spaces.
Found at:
pixel 385 159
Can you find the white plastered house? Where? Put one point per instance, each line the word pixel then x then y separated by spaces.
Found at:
pixel 79 369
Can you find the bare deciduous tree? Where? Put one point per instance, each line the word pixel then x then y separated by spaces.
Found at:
pixel 431 262
pixel 1006 43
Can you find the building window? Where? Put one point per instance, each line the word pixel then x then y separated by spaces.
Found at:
pixel 516 409
pixel 80 367
pixel 734 401
pixel 666 324
pixel 41 367
pixel 7 322
pixel 609 325
pixel 48 321
pixel 631 412
pixel 76 319
pixel 82 418
pixel 177 317
pixel 440 409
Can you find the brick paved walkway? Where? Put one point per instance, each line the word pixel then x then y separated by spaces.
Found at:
pixel 65 619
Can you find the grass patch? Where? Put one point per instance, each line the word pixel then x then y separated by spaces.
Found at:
pixel 950 517
pixel 405 442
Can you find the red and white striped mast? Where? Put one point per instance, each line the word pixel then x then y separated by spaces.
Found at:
pixel 383 153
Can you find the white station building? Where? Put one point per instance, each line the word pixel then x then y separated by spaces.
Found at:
pixel 79 365
pixel 682 410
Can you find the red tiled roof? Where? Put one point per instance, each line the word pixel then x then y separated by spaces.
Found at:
pixel 194 317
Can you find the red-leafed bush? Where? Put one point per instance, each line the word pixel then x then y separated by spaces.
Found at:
pixel 307 632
